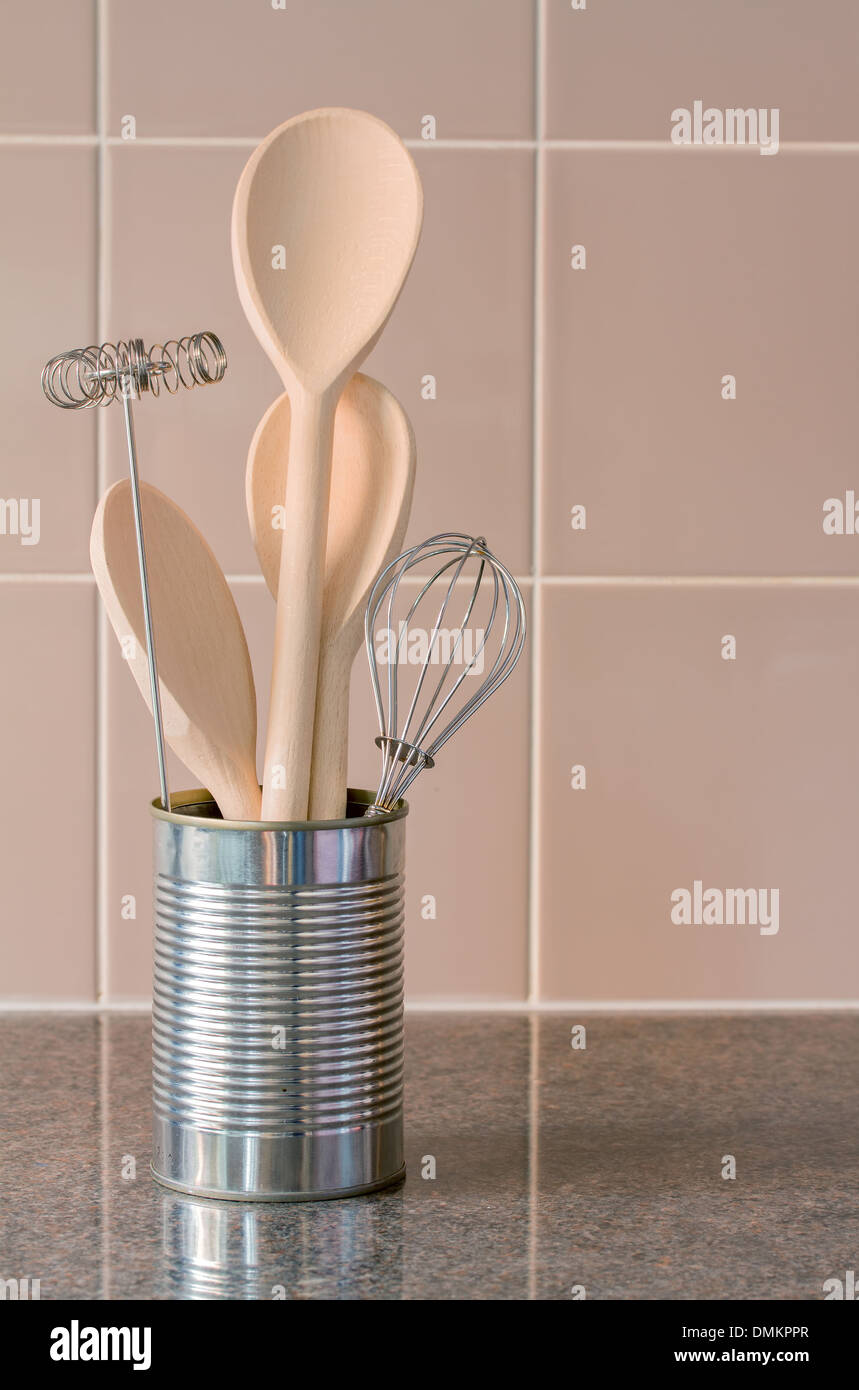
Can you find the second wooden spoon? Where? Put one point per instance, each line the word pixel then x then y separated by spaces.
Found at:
pixel 372 479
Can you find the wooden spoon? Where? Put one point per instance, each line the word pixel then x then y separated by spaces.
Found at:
pixel 207 685
pixel 326 221
pixel 372 479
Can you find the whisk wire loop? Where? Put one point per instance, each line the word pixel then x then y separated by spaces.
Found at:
pixel 409 748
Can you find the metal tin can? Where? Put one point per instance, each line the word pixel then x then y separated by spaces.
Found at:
pixel 277 1022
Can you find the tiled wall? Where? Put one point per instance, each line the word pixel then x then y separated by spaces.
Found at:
pixel 637 751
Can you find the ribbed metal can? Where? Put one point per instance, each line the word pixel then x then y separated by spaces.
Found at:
pixel 277 1023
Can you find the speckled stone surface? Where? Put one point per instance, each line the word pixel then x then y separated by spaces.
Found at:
pixel 555 1168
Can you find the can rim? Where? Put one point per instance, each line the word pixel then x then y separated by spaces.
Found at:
pixel 197 795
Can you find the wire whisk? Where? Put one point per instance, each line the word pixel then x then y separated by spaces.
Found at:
pixel 486 641
pixel 97 375
pixel 91 376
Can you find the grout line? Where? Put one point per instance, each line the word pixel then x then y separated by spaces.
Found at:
pixel 666 146
pixel 104 1149
pixel 73 1006
pixel 11 577
pixel 537 391
pixel 468 143
pixel 630 1006
pixel 204 142
pixel 249 142
pixel 533 1152
pixel 537 459
pixel 59 139
pixel 102 299
pixel 701 581
pixel 553 581
pixel 537 387
pixel 409 580
pixel 500 1006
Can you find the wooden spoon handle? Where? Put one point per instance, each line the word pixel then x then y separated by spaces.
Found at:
pixel 298 621
pixel 330 737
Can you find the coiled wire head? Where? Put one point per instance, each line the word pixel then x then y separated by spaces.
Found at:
pixel 91 376
pixel 478 630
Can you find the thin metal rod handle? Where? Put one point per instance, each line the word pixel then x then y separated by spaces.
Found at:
pixel 154 684
pixel 96 375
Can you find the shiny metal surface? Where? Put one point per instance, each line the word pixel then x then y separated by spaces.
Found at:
pixel 151 655
pixel 235 1250
pixel 488 637
pixel 97 375
pixel 278 1004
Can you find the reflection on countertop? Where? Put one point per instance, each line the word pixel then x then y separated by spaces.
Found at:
pixel 597 1168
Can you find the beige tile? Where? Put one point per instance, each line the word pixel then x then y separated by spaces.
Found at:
pixel 465 318
pixel 476 948
pixel 223 67
pixel 171 275
pixel 467 847
pixel 47 288
pixel 738 774
pixel 617 71
pixel 47 819
pixel 700 265
pixel 47 67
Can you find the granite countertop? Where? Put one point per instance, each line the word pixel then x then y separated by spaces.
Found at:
pixel 555 1168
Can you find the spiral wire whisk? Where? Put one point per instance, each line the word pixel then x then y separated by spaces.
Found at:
pixel 97 375
pixel 465 566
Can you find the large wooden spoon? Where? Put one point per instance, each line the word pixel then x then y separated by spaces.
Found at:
pixel 326 221
pixel 372 479
pixel 207 687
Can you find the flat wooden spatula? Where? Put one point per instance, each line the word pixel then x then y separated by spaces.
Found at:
pixel 207 686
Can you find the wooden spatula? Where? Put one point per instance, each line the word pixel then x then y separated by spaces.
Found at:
pixel 326 220
pixel 207 686
pixel 372 480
